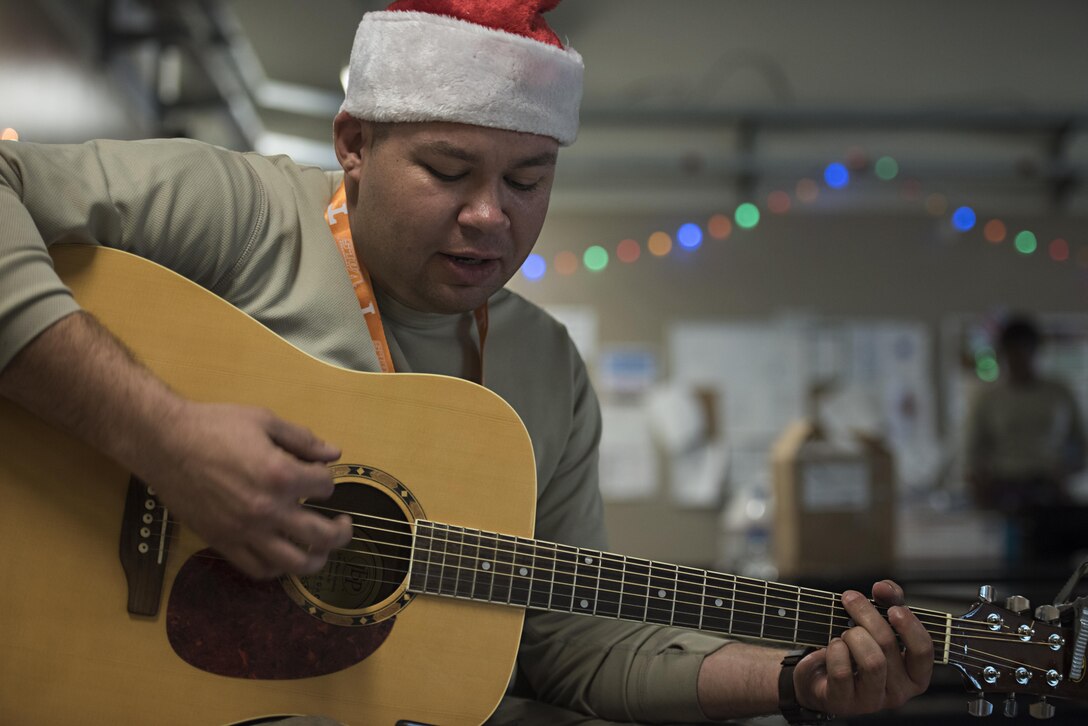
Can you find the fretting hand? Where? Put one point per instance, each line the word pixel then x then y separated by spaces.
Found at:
pixel 868 668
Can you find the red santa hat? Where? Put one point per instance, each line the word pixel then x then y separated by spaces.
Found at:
pixel 489 63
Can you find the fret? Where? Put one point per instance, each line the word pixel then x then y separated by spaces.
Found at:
pixel 611 587
pixel 587 581
pixel 484 577
pixel 635 599
pixel 439 543
pixel 451 562
pixel 466 563
pixel 566 563
pixel 719 603
pixel 942 639
pixel 662 595
pixel 502 581
pixel 781 619
pixel 470 563
pixel 688 611
pixel 817 609
pixel 522 576
pixel 421 557
pixel 542 586
pixel 749 604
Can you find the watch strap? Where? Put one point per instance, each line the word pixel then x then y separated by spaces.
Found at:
pixel 793 711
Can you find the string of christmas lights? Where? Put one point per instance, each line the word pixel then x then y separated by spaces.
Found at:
pixel 746 216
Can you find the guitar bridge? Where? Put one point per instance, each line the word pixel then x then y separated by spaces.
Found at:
pixel 145 543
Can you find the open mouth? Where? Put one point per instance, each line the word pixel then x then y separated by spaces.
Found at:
pixel 467 260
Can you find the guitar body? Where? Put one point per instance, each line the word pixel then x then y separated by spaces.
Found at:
pixel 70 652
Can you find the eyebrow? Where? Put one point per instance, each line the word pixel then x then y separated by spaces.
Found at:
pixel 546 158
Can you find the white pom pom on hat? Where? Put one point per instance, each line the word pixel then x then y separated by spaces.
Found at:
pixel 493 63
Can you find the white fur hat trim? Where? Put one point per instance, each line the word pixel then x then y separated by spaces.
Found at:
pixel 413 66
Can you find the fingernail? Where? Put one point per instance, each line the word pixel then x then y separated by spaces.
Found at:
pixel 850 596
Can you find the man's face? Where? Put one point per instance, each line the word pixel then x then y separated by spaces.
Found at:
pixel 444 214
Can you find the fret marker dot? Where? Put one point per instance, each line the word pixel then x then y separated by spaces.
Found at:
pixel 589 560
pixel 781 612
pixel 485 566
pixel 718 602
pixel 661 593
pixel 584 604
pixel 523 572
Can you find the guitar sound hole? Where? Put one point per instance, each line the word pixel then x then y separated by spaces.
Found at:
pixel 366 581
pixel 370 574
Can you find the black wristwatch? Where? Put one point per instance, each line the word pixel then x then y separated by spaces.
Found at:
pixel 792 711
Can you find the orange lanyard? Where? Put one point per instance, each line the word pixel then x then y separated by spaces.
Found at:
pixel 337 217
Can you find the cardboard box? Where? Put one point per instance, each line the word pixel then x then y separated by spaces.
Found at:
pixel 834 505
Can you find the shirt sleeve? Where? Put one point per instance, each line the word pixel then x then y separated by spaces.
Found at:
pixel 612 669
pixel 146 197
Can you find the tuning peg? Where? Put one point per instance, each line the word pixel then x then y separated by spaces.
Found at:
pixel 1041 709
pixel 1048 614
pixel 1011 706
pixel 980 707
pixel 1017 604
pixel 986 593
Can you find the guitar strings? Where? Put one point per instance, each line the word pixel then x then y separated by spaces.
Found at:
pixel 941 623
pixel 841 621
pixel 736 580
pixel 969 653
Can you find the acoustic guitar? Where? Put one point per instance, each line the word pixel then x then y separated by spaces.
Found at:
pixel 113 613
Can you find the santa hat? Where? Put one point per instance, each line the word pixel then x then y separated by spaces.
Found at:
pixel 489 63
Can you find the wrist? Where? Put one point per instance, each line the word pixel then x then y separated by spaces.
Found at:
pixel 739 680
pixel 788 705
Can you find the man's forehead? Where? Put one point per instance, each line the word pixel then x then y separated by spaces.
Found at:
pixel 518 157
pixel 471 143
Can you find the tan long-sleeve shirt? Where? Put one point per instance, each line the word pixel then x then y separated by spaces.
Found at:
pixel 251 229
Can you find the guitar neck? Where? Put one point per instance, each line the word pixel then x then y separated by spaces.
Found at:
pixel 485 566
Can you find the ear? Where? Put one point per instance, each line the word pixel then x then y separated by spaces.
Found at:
pixel 350 138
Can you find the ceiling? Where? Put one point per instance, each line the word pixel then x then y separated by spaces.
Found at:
pixel 685 101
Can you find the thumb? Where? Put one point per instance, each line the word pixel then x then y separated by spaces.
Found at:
pixel 301 442
pixel 810 678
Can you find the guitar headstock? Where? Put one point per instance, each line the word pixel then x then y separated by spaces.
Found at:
pixel 1011 650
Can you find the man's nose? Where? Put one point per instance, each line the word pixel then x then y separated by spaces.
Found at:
pixel 484 210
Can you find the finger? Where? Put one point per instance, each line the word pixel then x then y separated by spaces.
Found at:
pixel 887 592
pixel 317 532
pixel 811 677
pixel 865 615
pixel 301 442
pixel 875 650
pixel 288 557
pixel 296 479
pixel 871 666
pixel 909 674
pixel 918 653
pixel 314 481
pixel 840 677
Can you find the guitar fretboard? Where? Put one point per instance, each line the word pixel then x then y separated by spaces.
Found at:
pixel 473 564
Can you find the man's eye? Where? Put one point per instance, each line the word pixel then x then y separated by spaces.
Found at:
pixel 523 186
pixel 444 177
